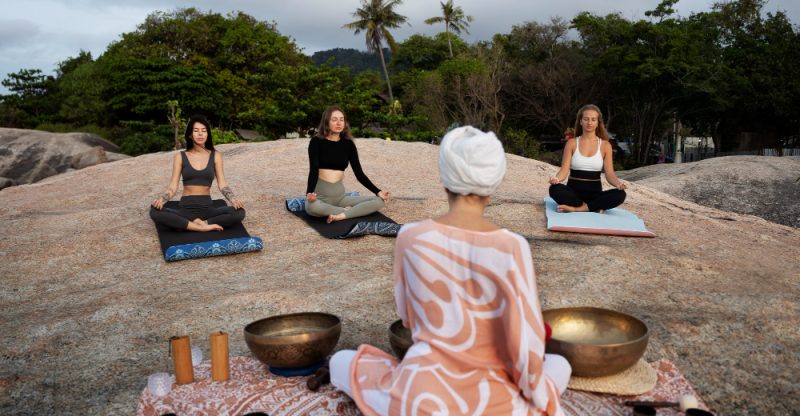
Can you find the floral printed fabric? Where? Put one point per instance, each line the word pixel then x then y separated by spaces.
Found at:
pixel 253 388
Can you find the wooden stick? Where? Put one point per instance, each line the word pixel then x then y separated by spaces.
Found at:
pixel 220 366
pixel 182 358
pixel 318 379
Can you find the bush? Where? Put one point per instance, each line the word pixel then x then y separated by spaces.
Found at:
pixel 145 142
pixel 519 142
pixel 224 136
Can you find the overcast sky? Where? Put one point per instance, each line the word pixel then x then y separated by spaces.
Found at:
pixel 41 33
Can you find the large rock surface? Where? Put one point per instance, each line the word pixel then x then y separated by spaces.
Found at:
pixel 88 304
pixel 27 156
pixel 763 186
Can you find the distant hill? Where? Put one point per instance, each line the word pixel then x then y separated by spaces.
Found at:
pixel 354 59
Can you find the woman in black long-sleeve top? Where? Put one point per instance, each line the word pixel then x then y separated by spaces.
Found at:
pixel 329 154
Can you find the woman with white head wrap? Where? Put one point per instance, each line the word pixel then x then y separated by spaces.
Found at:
pixel 471 162
pixel 467 290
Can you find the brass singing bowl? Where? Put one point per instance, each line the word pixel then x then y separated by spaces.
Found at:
pixel 596 342
pixel 399 338
pixel 294 340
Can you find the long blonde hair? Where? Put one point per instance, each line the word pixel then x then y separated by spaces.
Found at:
pixel 600 131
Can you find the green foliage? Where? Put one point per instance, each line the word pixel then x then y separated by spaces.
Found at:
pixel 30 102
pixel 145 142
pixel 224 136
pixel 722 72
pixel 520 142
pixel 425 53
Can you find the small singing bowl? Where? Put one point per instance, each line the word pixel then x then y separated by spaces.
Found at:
pixel 596 342
pixel 399 338
pixel 293 340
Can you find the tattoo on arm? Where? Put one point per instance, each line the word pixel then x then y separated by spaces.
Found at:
pixel 228 193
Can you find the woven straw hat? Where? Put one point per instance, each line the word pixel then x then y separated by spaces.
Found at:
pixel 638 379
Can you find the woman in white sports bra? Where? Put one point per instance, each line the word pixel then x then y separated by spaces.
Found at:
pixel 584 190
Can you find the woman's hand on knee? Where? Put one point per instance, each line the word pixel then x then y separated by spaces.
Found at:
pixel 622 185
pixel 158 203
pixel 554 180
pixel 311 197
pixel 385 195
pixel 237 203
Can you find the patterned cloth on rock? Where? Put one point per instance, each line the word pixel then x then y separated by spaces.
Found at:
pixel 471 302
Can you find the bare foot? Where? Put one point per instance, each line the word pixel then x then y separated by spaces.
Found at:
pixel 203 227
pixel 198 221
pixel 211 227
pixel 570 208
pixel 335 217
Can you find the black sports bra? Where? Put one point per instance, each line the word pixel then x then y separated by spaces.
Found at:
pixel 192 176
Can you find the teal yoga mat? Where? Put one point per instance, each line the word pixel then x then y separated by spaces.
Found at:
pixel 615 221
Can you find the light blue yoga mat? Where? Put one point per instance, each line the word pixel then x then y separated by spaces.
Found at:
pixel 615 221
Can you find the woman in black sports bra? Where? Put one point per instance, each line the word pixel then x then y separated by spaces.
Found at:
pixel 195 212
pixel 329 154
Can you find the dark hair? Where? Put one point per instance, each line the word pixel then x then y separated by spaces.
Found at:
pixel 324 129
pixel 600 131
pixel 190 126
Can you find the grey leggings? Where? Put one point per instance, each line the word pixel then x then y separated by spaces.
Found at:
pixel 331 200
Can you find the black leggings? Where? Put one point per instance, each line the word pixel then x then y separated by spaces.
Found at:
pixel 196 206
pixel 576 193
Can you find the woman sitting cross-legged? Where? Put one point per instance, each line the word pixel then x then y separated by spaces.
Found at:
pixel 467 290
pixel 584 190
pixel 328 157
pixel 198 166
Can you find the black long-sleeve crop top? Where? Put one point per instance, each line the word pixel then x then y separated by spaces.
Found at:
pixel 328 154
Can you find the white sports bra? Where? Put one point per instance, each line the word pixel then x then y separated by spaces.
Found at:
pixel 593 163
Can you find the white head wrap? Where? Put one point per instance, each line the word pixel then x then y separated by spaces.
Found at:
pixel 471 161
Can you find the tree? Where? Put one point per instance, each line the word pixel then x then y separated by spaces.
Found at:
pixel 175 121
pixel 375 18
pixel 80 87
pixel 423 53
pixel 546 80
pixel 454 20
pixel 32 99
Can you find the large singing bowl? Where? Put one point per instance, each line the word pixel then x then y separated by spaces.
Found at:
pixel 294 340
pixel 596 342
pixel 399 338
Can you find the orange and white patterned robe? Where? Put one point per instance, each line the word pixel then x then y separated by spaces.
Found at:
pixel 471 302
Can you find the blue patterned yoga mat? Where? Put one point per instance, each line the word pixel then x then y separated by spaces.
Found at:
pixel 213 248
pixel 615 221
pixel 183 245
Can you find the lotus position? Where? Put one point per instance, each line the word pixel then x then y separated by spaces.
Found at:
pixel 467 290
pixel 583 160
pixel 329 153
pixel 198 166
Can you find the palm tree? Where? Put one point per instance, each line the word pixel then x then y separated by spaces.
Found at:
pixel 454 20
pixel 375 18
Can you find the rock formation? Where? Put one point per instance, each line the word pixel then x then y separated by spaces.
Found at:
pixel 88 303
pixel 763 186
pixel 27 156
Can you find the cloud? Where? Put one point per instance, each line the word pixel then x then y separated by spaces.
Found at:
pixel 14 33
